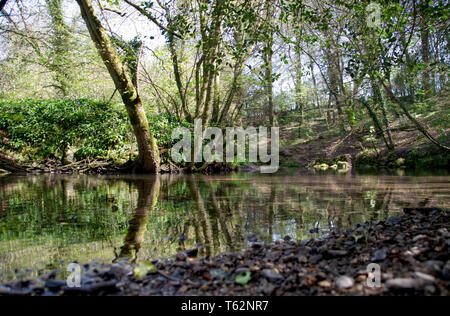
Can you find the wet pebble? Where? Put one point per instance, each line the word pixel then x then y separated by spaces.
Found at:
pixel 446 271
pixel 403 284
pixel 433 266
pixel 344 282
pixel 379 255
pixel 335 253
pixel 272 275
pixel 55 285
pixel 424 277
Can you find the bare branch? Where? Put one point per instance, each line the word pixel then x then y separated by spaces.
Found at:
pixel 152 18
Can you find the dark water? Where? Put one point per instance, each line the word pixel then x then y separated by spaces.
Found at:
pixel 49 221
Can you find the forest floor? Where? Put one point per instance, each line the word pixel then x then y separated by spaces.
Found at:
pixel 322 143
pixel 411 251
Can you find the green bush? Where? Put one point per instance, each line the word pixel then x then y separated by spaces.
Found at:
pixel 366 158
pixel 51 126
pixel 163 125
pixel 47 128
pixel 427 158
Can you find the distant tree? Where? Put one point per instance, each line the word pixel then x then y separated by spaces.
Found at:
pixel 59 59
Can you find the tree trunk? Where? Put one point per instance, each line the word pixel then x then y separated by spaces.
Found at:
pixel 60 42
pixel 237 72
pixel 148 160
pixel 268 63
pixel 380 101
pixel 425 46
pixel 269 85
pixel 216 99
pixel 333 79
pixel 376 122
pixel 298 80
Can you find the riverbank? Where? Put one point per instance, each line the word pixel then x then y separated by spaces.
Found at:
pixel 412 252
pixel 318 144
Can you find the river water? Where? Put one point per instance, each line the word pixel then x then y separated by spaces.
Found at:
pixel 48 221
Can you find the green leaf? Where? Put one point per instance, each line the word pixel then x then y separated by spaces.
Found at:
pixel 243 279
pixel 143 268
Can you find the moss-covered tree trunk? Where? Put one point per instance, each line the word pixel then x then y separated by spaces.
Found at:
pixel 61 47
pixel 148 160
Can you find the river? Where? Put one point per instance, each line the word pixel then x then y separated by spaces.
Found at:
pixel 48 221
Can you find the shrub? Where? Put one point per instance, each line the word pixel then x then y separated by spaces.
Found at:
pixel 47 128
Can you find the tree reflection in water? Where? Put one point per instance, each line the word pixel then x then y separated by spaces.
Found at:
pixel 147 199
pixel 48 219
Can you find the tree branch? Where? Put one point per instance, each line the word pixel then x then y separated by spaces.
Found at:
pixel 152 18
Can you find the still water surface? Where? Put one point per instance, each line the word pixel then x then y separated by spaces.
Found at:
pixel 48 221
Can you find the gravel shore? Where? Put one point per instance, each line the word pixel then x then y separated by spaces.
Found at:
pixel 411 252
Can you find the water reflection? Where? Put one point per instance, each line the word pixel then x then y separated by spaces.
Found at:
pixel 48 221
pixel 147 199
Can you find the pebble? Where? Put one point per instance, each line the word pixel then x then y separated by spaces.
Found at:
pixel 419 237
pixel 336 253
pixel 403 284
pixel 55 285
pixel 425 277
pixel 272 275
pixel 446 271
pixel 345 282
pixel 379 255
pixel 325 284
pixel 433 266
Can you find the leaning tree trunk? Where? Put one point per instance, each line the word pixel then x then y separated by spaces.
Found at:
pixel 418 125
pixel 380 100
pixel 148 160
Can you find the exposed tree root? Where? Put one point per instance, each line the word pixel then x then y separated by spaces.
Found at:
pixel 10 165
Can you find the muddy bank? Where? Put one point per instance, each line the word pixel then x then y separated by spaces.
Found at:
pixel 412 252
pixel 103 167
